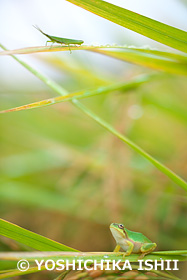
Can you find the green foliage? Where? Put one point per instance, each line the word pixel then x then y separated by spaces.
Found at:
pixel 68 178
pixel 107 126
pixel 148 27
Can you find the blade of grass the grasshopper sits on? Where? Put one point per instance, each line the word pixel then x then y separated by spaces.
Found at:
pixel 83 94
pixel 158 60
pixel 158 31
pixel 172 175
pixel 158 53
pixel 30 238
pixel 43 49
pixel 147 60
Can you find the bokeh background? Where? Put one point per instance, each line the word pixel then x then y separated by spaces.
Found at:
pixel 62 175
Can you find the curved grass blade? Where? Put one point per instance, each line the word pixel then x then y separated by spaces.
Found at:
pixel 37 49
pixel 30 238
pixel 125 86
pixel 173 66
pixel 158 60
pixel 158 31
pixel 173 176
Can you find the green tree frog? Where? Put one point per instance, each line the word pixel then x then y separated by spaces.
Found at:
pixel 130 241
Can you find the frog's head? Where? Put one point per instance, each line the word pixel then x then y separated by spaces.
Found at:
pixel 118 231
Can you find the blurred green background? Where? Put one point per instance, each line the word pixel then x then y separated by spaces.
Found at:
pixel 65 177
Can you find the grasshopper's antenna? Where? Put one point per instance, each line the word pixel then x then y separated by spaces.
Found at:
pixel 38 28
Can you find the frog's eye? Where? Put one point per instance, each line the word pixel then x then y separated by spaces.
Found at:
pixel 121 226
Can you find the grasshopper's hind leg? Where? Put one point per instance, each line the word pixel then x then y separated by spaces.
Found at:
pixel 49 42
pixel 69 49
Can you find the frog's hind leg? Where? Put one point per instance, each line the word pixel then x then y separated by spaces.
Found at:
pixel 146 249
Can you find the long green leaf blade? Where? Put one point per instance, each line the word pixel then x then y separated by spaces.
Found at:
pixel 30 238
pixel 158 31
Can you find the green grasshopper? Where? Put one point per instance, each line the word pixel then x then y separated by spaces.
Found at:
pixel 65 41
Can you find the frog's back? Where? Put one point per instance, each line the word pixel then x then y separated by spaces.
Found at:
pixel 137 236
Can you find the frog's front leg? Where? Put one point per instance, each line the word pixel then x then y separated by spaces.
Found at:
pixel 130 248
pixel 117 248
pixel 128 251
pixel 146 249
